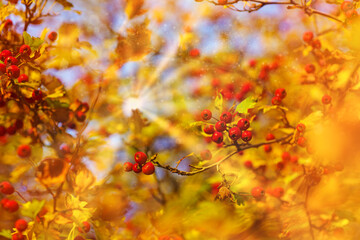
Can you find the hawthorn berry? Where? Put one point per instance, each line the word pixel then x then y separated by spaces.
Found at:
pixel 136 168
pixel 52 36
pixel 23 78
pixel 140 158
pixel 80 116
pixel 243 124
pixel 194 52
pixel 6 188
pixel 246 136
pixel 308 36
pixel 352 13
pixel 301 142
pixel 316 43
pixel 5 54
pixel 148 168
pixel 13 71
pixel 24 151
pixel 206 154
pixel 206 114
pixel 248 164
pixel 85 227
pixel 2 131
pixel 252 62
pixel 346 6
pixel 37 95
pixel 209 129
pixel 220 126
pixel 21 225
pixel 128 166
pixel 11 61
pixel 235 133
pixel 4 201
pixel 301 127
pixel 310 68
pixel 257 192
pixel 226 117
pixel 276 100
pixel 269 137
pixel 2 68
pixel 294 159
pixel 217 137
pixel 25 50
pixel 17 236
pixel 326 99
pixel 8 23
pixel 280 92
pixel 11 206
pixel 11 130
pixel 286 156
pixel 278 192
pixel 267 148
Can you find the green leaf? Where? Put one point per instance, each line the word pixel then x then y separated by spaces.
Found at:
pixel 56 103
pixel 6 233
pixel 31 209
pixel 33 42
pixel 219 102
pixel 27 38
pixel 245 105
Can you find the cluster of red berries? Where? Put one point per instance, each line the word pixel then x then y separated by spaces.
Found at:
pixel 308 37
pixel 21 225
pixel 301 140
pixel 258 192
pixel 228 91
pixel 266 69
pixel 12 128
pixel 9 205
pixel 235 132
pixel 280 94
pixel 349 9
pixel 147 168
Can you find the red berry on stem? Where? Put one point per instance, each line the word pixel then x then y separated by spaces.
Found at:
pixel 308 37
pixel 4 201
pixel 136 168
pixel 24 151
pixel 85 227
pixel 280 92
pixel 226 117
pixel 267 148
pixel 206 114
pixel 194 52
pixel 148 168
pixel 346 6
pixel 206 154
pixel 286 156
pixel 326 99
pixel 11 206
pixel 23 78
pixel 269 137
pixel 278 192
pixel 316 43
pixel 52 36
pixel 301 127
pixel 209 129
pixel 8 23
pixel 128 166
pixel 6 188
pixel 248 164
pixel 220 126
pixel 310 68
pixel 235 133
pixel 80 116
pixel 37 95
pixel 217 137
pixel 252 62
pixel 11 61
pixel 257 192
pixel 294 159
pixel 21 225
pixel 140 158
pixel 13 71
pixel 5 54
pixel 17 236
pixel 25 50
pixel 243 124
pixel 276 100
pixel 302 142
pixel 246 136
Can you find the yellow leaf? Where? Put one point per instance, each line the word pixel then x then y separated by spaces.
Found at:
pixel 134 8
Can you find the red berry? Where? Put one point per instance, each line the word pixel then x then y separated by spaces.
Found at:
pixel 308 37
pixel 136 168
pixel 11 206
pixel 17 236
pixel 278 192
pixel 13 71
pixel 252 63
pixel 235 133
pixel 301 142
pixel 209 129
pixel 267 148
pixel 21 225
pixel 246 87
pixel 148 168
pixel 352 13
pixel 269 137
pixel 316 43
pixel 246 136
pixel 6 188
pixel 276 100
pixel 11 130
pixel 25 50
pixel 243 124
pixel 301 127
pixel 11 61
pixel 220 126
pixel 346 6
pixel 5 54
pixel 326 99
pixel 217 137
pixel 248 164
pixel 206 154
pixel 2 68
pixel 294 159
pixel 280 92
pixel 84 107
pixel 310 68
pixel 140 158
pixel 4 201
pixel 257 192
pixel 206 114
pixel 2 131
pixel 8 23
pixel 37 95
pixel 24 151
pixel 52 36
pixel 194 52
pixel 226 117
pixel 23 78
pixel 128 166
pixel 85 227
pixel 286 156
pixel 80 116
